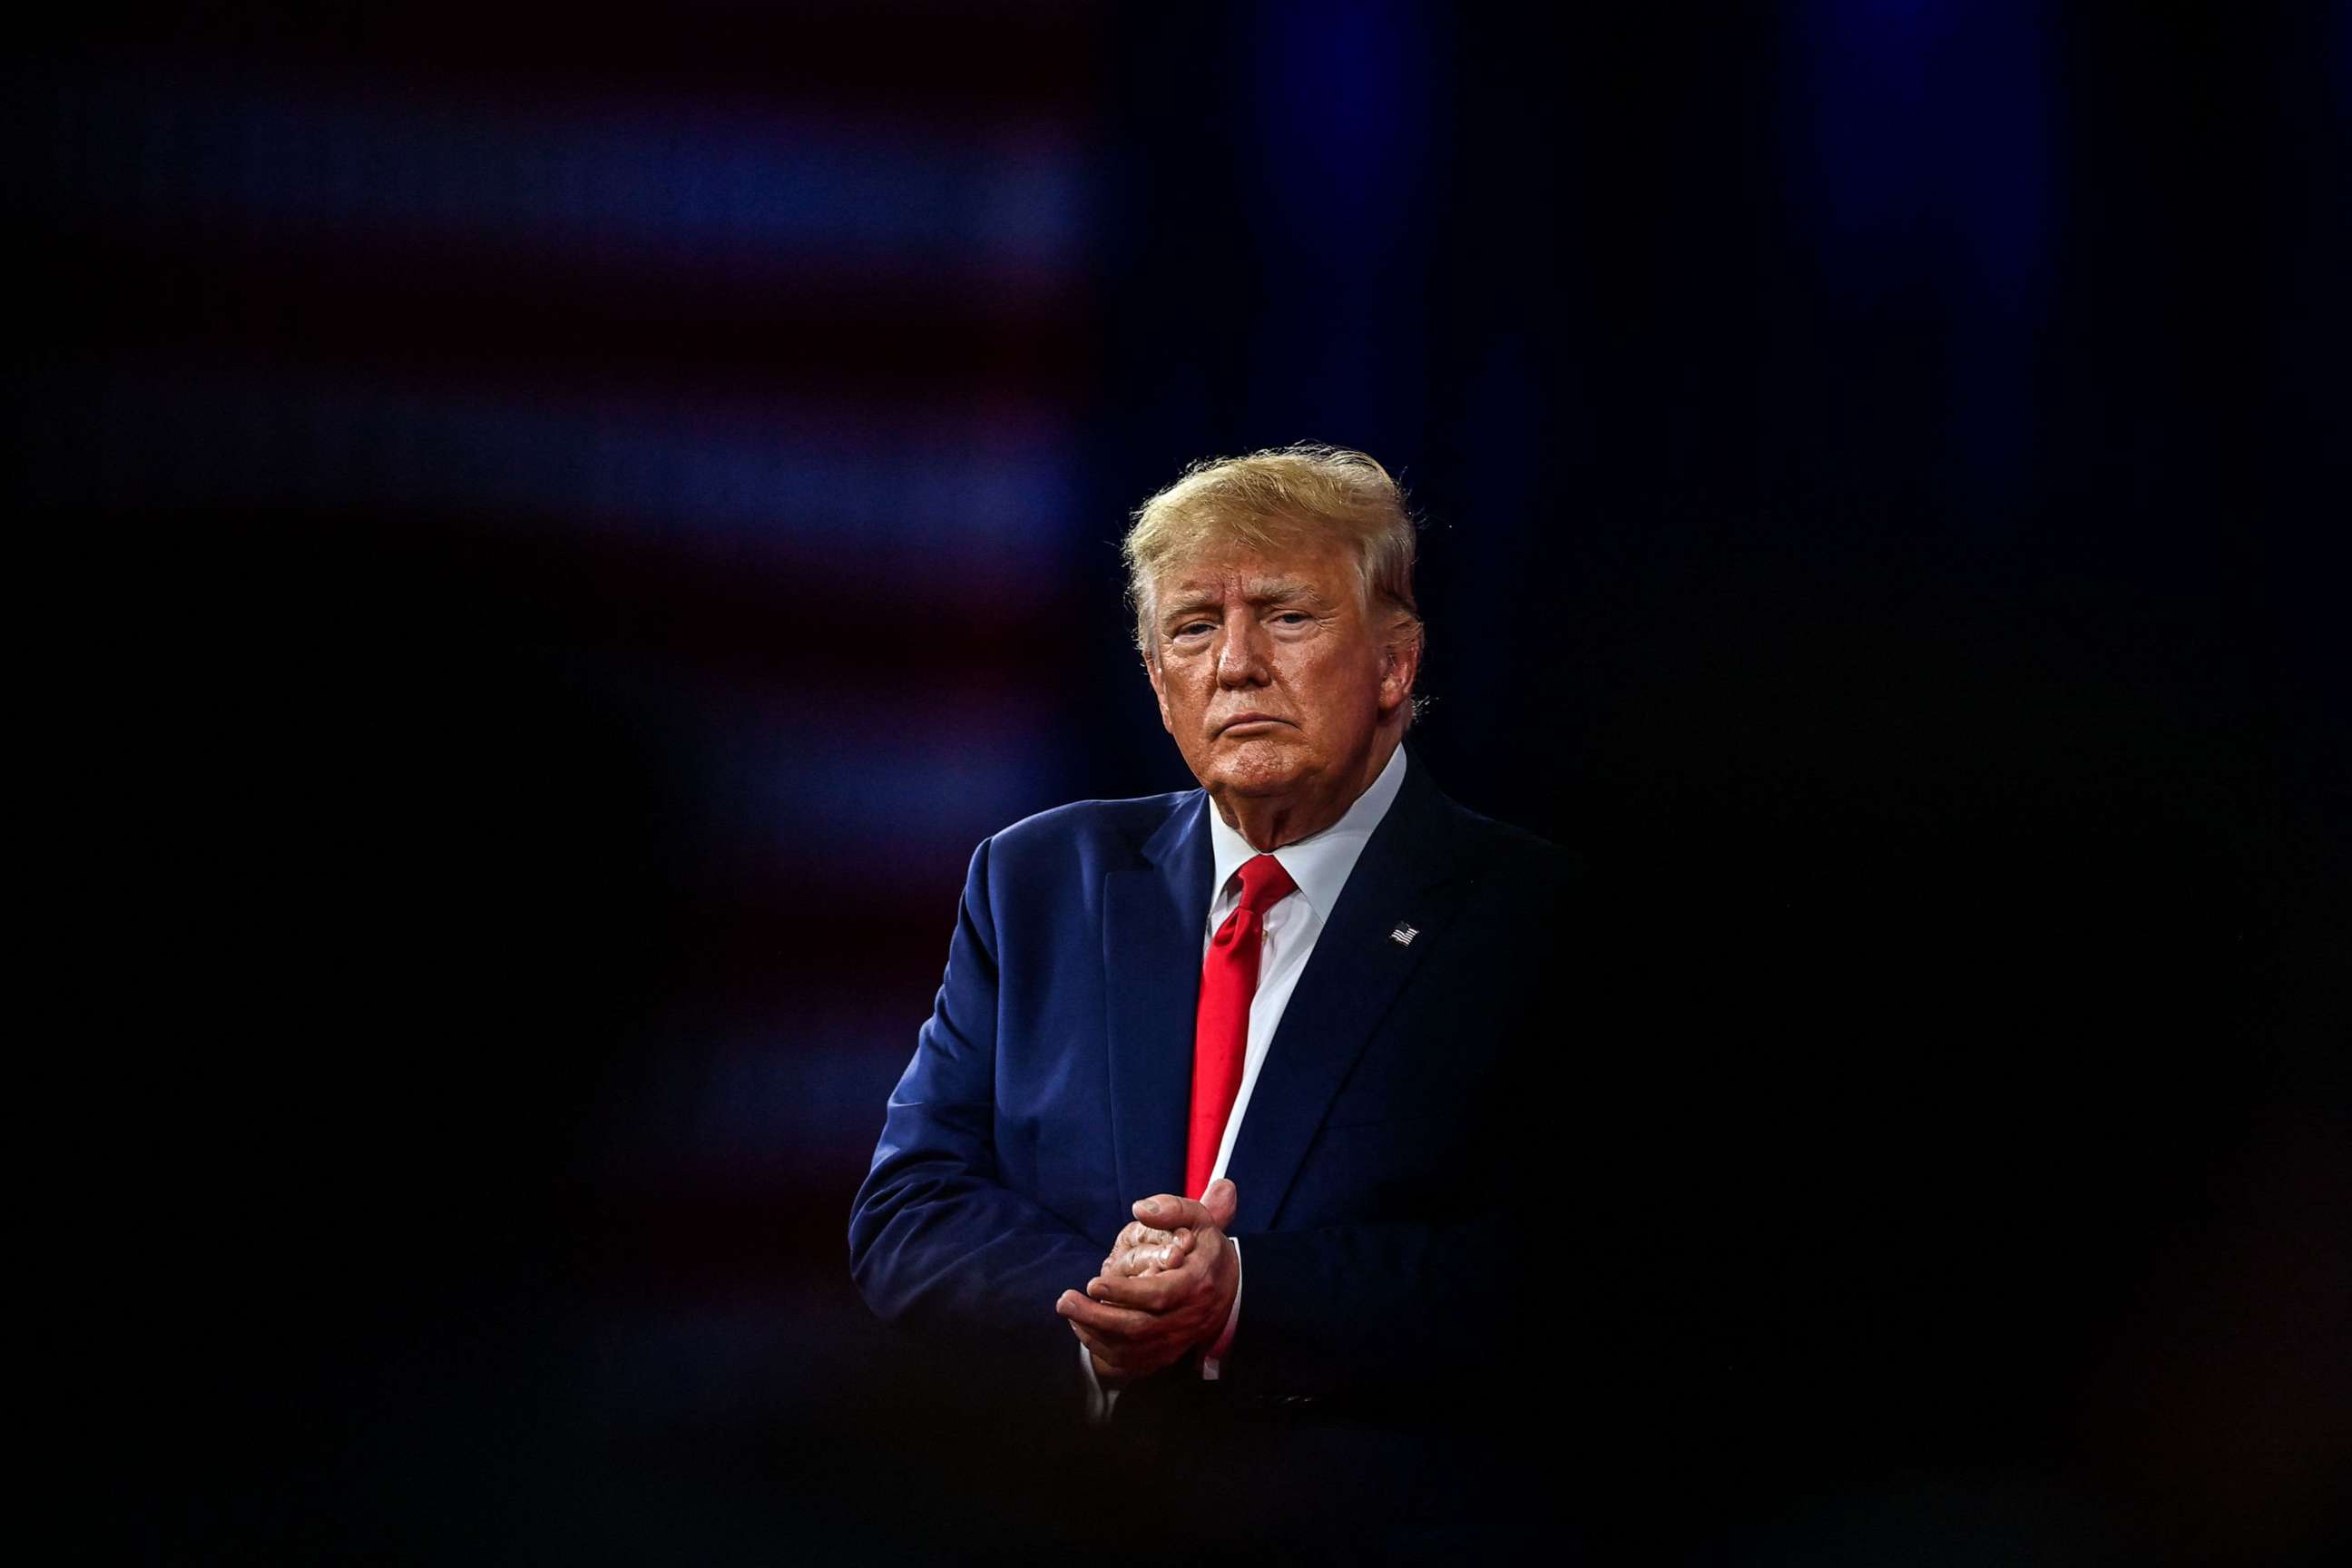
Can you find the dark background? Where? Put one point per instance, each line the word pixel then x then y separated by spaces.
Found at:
pixel 549 537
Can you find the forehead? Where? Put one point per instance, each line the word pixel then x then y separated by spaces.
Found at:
pixel 1326 569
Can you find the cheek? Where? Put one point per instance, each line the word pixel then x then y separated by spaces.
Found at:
pixel 1341 693
pixel 1181 692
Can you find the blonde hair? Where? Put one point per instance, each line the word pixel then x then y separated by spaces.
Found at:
pixel 1286 498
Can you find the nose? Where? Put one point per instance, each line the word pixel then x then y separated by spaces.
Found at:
pixel 1242 651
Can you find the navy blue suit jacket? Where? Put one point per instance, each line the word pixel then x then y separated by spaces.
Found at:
pixel 1399 1119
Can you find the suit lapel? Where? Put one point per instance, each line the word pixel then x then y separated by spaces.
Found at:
pixel 1358 967
pixel 1154 915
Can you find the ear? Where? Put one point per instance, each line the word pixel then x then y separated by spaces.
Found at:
pixel 1400 665
pixel 1160 690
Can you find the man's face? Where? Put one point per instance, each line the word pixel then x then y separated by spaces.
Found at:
pixel 1271 678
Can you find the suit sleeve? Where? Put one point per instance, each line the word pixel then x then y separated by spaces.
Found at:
pixel 936 1242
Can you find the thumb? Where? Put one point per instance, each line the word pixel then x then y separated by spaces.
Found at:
pixel 1222 1198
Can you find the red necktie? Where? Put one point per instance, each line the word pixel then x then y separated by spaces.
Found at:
pixel 1221 1029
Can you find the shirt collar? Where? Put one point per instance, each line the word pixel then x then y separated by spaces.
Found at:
pixel 1320 862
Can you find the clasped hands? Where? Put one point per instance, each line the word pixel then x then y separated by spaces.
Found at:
pixel 1166 1286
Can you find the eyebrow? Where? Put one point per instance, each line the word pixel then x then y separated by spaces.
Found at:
pixel 1265 591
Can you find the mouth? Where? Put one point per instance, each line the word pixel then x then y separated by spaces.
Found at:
pixel 1240 726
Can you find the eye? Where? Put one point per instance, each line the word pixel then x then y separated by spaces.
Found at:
pixel 1292 619
pixel 1190 628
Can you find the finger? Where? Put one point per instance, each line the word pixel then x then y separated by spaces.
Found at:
pixel 1168 1210
pixel 1221 1200
pixel 1109 1361
pixel 1167 1252
pixel 1136 1289
pixel 1128 1260
pixel 1117 1324
pixel 1155 1293
pixel 1138 1234
pixel 1120 1347
pixel 1141 1260
pixel 1105 1351
pixel 1191 1270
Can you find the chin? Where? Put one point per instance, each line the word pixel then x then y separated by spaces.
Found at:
pixel 1266 775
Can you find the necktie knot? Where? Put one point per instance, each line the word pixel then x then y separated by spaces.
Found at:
pixel 1265 884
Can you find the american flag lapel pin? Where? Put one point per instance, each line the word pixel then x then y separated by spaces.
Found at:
pixel 1404 934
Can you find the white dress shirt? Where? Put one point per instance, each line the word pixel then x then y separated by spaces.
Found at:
pixel 1320 865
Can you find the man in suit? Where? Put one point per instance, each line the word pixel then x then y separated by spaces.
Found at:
pixel 1234 1106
